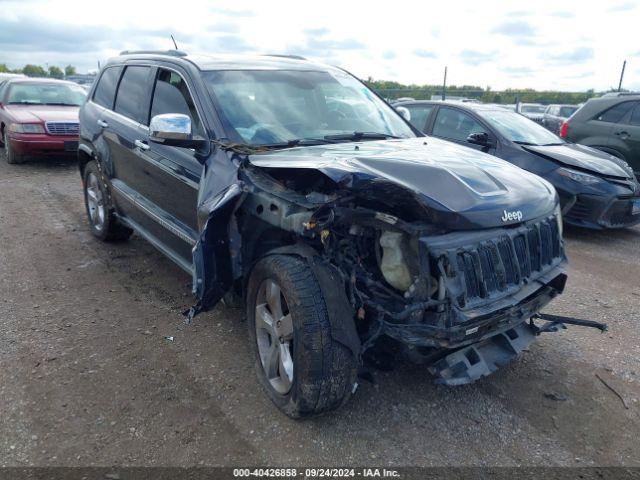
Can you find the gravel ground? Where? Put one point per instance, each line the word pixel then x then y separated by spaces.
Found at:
pixel 88 378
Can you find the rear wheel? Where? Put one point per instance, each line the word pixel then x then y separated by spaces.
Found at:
pixel 10 154
pixel 102 220
pixel 302 368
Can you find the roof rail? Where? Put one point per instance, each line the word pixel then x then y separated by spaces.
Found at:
pixel 620 94
pixel 294 57
pixel 173 53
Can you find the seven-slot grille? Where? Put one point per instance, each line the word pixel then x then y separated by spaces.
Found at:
pixel 62 128
pixel 495 265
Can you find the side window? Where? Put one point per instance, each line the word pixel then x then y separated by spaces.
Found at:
pixel 171 95
pixel 635 116
pixel 105 91
pixel 419 115
pixel 615 113
pixel 455 124
pixel 132 94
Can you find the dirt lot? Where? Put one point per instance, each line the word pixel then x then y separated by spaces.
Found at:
pixel 88 378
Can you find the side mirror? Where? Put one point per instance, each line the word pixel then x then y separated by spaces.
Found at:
pixel 480 138
pixel 173 129
pixel 406 114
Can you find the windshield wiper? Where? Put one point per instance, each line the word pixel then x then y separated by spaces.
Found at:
pixel 297 142
pixel 519 142
pixel 356 136
pixel 25 102
pixel 62 104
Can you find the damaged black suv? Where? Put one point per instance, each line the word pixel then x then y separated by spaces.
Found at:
pixel 344 229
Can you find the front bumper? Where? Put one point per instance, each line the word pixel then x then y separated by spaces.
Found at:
pixel 599 212
pixel 490 281
pixel 43 144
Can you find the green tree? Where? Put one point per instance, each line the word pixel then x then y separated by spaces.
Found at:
pixel 34 71
pixel 55 72
pixel 69 70
pixel 4 68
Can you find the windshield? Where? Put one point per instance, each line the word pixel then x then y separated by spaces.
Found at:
pixel 261 107
pixel 533 108
pixel 520 129
pixel 46 94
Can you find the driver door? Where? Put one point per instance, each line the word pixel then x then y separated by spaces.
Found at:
pixel 171 174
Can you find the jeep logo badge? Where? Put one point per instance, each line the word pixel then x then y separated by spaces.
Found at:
pixel 510 216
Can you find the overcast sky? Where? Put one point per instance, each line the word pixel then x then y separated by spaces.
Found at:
pixel 567 45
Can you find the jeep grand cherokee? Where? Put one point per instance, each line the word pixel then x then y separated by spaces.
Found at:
pixel 344 229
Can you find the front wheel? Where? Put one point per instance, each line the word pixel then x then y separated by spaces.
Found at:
pixel 302 368
pixel 10 153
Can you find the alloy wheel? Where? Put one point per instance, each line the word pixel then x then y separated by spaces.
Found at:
pixel 95 202
pixel 274 335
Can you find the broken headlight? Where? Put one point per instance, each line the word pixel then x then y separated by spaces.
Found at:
pixel 393 264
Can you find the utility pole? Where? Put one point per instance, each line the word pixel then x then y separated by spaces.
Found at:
pixel 444 84
pixel 624 64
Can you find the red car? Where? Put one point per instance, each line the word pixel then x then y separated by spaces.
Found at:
pixel 39 117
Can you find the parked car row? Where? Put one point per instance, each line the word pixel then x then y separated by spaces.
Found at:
pixel 342 227
pixel 597 190
pixel 39 117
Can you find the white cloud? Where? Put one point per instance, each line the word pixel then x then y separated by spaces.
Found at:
pixel 528 44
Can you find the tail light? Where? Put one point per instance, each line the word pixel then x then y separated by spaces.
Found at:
pixel 563 129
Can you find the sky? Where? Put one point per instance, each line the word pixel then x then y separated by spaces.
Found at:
pixel 560 45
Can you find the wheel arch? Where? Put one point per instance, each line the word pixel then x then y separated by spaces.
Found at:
pixel 333 286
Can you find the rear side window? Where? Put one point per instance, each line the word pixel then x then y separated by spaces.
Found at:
pixel 131 99
pixel 106 89
pixel 171 95
pixel 455 124
pixel 419 115
pixel 566 112
pixel 615 113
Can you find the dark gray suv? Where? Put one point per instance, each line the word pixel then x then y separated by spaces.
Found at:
pixel 610 123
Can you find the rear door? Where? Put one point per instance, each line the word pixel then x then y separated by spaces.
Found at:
pixel 626 134
pixel 598 131
pixel 121 127
pixel 456 125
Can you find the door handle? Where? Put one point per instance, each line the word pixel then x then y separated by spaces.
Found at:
pixel 103 124
pixel 141 145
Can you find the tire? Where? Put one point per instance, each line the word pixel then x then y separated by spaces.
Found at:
pixel 10 154
pixel 322 372
pixel 103 222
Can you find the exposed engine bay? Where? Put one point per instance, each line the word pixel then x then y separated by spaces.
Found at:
pixel 409 277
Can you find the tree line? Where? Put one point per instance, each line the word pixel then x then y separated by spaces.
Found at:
pixel 31 70
pixel 393 90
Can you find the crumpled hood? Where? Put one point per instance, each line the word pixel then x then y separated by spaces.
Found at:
pixel 469 188
pixel 585 158
pixel 42 113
